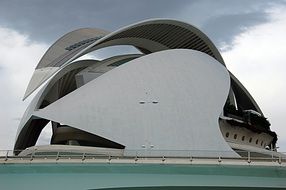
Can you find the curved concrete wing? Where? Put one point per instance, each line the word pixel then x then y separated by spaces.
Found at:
pixel 43 95
pixel 35 103
pixel 160 34
pixel 169 100
pixel 62 50
pixel 148 36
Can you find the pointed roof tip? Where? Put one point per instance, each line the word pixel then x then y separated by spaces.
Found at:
pixel 47 65
pixel 27 94
pixel 28 91
pixel 38 78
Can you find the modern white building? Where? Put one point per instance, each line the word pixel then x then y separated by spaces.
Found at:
pixel 175 96
pixel 168 117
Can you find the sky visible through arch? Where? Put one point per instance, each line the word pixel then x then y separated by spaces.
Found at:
pixel 249 34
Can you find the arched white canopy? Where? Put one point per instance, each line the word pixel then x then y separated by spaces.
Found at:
pixel 60 53
pixel 148 36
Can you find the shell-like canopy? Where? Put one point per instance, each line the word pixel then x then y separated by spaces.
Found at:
pixel 147 36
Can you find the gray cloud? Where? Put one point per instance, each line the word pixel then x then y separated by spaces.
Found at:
pixel 223 20
pixel 47 20
pixel 222 29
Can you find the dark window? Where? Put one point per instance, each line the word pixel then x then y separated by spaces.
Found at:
pixel 120 62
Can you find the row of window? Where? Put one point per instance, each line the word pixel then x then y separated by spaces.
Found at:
pixel 78 44
pixel 243 138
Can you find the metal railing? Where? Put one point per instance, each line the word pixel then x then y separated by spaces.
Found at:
pixel 149 156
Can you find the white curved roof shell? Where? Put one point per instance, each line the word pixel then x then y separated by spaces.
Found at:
pixel 170 99
pixel 148 36
pixel 60 52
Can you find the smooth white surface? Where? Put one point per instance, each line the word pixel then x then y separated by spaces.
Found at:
pixel 38 78
pixel 45 90
pixel 56 53
pixel 101 66
pixel 189 86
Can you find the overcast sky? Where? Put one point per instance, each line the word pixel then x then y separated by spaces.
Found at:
pixel 250 35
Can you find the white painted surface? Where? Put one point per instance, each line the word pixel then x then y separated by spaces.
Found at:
pixel 38 78
pixel 189 86
pixel 46 88
pixel 56 53
pixel 58 49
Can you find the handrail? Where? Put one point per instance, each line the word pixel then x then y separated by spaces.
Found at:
pixel 136 156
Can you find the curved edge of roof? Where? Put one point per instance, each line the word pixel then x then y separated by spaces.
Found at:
pixel 92 46
pixel 69 34
pixel 41 95
pixel 246 92
pixel 187 26
pixel 73 34
pixel 156 21
pixel 34 104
